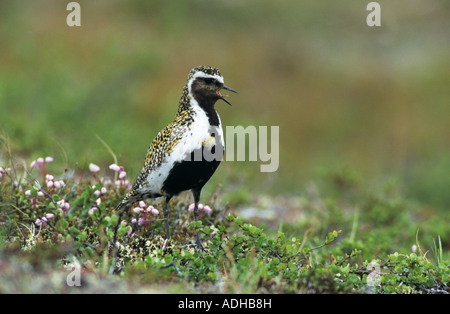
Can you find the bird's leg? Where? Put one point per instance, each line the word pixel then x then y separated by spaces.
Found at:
pixel 166 218
pixel 196 194
pixel 121 209
pixel 123 206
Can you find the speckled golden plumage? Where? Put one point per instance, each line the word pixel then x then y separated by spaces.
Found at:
pixel 161 146
pixel 165 171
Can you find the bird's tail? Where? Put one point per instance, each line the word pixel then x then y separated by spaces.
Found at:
pixel 123 205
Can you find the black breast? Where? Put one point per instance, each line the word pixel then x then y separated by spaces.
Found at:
pixel 190 174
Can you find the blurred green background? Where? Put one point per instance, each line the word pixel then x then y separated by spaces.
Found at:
pixel 374 101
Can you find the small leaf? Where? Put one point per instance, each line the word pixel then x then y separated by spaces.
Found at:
pixel 123 230
pixel 114 219
pixel 74 231
pixel 62 225
pixel 305 251
pixel 106 221
pixel 254 230
pixel 292 266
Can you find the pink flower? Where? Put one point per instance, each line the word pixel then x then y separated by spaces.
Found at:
pixel 201 207
pixel 114 167
pixel 106 181
pixel 65 206
pixel 94 168
pixel 2 171
pixel 137 210
pixel 142 204
pixel 414 248
pixel 92 210
pixel 49 216
pixel 133 221
pixel 122 174
pixel 49 177
pixel 43 220
pixel 37 163
pixel 28 193
pixel 153 210
pixel 59 183
pixel 40 162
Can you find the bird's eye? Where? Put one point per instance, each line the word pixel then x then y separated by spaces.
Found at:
pixel 209 80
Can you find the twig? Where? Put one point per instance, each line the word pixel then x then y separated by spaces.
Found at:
pixel 179 273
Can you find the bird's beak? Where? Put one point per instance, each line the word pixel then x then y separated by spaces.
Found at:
pixel 223 97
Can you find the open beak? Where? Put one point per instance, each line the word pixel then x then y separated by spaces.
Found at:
pixel 223 97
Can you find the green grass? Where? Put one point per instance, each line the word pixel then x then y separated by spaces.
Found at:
pixel 322 244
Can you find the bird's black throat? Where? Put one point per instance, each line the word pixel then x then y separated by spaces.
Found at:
pixel 207 104
pixel 206 97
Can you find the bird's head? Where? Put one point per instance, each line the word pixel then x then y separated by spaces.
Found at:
pixel 205 83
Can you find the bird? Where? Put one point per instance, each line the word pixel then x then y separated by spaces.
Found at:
pixel 186 153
